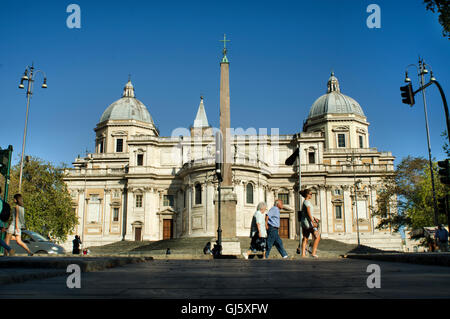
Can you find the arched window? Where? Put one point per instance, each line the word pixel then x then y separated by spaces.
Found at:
pixel 198 194
pixel 249 191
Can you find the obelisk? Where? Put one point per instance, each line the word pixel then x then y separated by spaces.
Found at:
pixel 230 242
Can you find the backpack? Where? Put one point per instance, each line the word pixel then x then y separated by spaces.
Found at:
pixel 6 212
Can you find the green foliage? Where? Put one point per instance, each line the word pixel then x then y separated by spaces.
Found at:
pixel 446 147
pixel 48 204
pixel 443 8
pixel 409 190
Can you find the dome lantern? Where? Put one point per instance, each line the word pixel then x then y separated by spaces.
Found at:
pixel 333 84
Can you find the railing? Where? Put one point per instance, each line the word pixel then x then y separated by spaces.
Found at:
pixel 76 172
pixel 336 169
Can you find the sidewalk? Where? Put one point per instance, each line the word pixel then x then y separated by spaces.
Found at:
pixel 435 259
pixel 19 269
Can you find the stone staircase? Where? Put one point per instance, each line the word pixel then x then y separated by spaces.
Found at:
pixel 383 240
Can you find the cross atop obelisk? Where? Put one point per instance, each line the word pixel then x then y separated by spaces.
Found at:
pixel 224 51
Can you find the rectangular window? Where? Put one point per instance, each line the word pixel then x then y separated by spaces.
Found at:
pixel 119 145
pixel 312 157
pixel 337 192
pixel 100 147
pixel 138 201
pixel 168 200
pixel 140 159
pixel 341 140
pixel 198 194
pixel 361 141
pixel 284 197
pixel 338 211
pixel 116 214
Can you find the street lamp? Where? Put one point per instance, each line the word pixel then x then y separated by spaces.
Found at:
pixel 28 76
pixel 351 161
pixel 217 250
pixel 422 71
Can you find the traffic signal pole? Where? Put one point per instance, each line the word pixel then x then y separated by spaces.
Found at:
pixel 408 98
pixel 428 142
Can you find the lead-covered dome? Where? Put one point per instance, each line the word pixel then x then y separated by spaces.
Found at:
pixel 127 108
pixel 334 102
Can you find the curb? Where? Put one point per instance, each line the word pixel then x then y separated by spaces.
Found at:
pixel 47 267
pixel 434 259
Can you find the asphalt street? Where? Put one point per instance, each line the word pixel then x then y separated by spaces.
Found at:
pixel 241 279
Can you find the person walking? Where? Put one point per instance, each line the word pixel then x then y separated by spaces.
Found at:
pixel 18 222
pixel 441 237
pixel 310 224
pixel 76 245
pixel 272 226
pixel 5 248
pixel 258 231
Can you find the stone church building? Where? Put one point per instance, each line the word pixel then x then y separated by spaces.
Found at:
pixel 138 185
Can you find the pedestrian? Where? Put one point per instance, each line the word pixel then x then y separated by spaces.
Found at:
pixel 258 232
pixel 76 245
pixel 272 226
pixel 17 223
pixel 441 237
pixel 4 248
pixel 310 224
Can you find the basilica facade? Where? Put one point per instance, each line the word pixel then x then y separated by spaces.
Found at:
pixel 138 185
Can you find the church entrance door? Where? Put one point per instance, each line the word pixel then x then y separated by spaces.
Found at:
pixel 284 228
pixel 137 234
pixel 167 228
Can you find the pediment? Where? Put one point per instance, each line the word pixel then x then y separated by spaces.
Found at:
pixel 167 211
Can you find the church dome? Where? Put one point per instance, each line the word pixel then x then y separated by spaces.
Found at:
pixel 334 102
pixel 127 108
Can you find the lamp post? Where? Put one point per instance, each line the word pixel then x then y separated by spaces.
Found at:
pixel 28 76
pixel 218 171
pixel 422 71
pixel 352 161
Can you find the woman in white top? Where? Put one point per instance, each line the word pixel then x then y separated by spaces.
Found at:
pixel 17 223
pixel 310 224
pixel 258 231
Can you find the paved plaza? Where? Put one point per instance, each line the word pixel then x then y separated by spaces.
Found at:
pixel 241 279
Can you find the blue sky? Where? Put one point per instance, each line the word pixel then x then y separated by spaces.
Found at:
pixel 281 55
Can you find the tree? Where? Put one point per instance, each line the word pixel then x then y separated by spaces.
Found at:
pixel 48 204
pixel 446 147
pixel 409 190
pixel 443 8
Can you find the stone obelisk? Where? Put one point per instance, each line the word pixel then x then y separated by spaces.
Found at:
pixel 230 242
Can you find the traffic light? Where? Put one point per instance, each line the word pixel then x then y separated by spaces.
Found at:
pixel 444 172
pixel 407 94
pixel 442 205
pixel 5 160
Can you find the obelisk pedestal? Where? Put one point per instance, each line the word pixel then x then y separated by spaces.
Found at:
pixel 228 201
